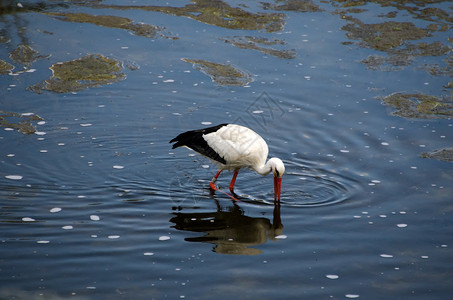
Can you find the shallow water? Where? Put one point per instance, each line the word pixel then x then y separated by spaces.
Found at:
pixel 96 204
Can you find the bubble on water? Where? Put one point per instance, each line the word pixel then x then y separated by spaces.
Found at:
pixel 424 256
pixel 332 276
pixel 43 151
pixel 27 114
pixel 94 218
pixel 206 123
pixel 43 242
pixel 14 177
pixel 55 210
pixel 40 133
pixel 385 144
pixel 61 144
pixel 205 166
pixel 86 124
pixel 27 219
pixel 67 227
pixel 352 296
pixel 11 155
pixel 148 253
pixel 164 238
pixel 41 122
pixel 113 237
pixel 118 167
pixel 281 237
pixel 386 256
pixel 168 80
pixel 401 225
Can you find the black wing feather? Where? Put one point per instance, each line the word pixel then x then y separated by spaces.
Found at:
pixel 195 141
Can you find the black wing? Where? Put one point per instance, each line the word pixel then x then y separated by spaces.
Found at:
pixel 194 140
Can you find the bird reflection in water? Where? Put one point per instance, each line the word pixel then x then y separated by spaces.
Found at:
pixel 229 229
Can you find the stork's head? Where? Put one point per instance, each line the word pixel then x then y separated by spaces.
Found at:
pixel 278 169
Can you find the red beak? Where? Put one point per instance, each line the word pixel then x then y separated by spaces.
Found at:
pixel 277 188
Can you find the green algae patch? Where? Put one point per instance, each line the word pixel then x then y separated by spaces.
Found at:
pixel 294 5
pixel 445 154
pixel 223 74
pixel 217 13
pixel 140 29
pixel 25 55
pixel 80 74
pixel 262 45
pixel 383 36
pixel 20 122
pixel 5 68
pixel 419 106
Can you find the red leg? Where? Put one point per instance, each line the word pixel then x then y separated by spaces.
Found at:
pixel 233 180
pixel 211 184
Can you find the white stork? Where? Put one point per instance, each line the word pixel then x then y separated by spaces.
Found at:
pixel 233 147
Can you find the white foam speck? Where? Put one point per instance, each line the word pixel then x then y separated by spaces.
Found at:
pixel 43 151
pixel 118 167
pixel 11 155
pixel 94 218
pixel 27 114
pixel 67 227
pixel 332 276
pixel 401 225
pixel 257 111
pixel 206 123
pixel 113 236
pixel 424 256
pixel 41 122
pixel 14 177
pixel 168 80
pixel 164 238
pixel 43 242
pixel 386 256
pixel 27 219
pixel 205 166
pixel 148 253
pixel 55 210
pixel 385 144
pixel 352 296
pixel 281 237
pixel 86 124
pixel 40 133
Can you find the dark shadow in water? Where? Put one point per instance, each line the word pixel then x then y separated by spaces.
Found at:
pixel 229 229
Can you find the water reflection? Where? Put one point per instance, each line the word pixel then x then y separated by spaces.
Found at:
pixel 229 229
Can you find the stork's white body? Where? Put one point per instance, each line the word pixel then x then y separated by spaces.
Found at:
pixel 239 146
pixel 233 147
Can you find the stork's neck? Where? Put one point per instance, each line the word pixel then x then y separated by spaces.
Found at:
pixel 272 164
pixel 264 169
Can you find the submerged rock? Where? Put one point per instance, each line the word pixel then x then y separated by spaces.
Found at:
pixel 80 74
pixel 222 74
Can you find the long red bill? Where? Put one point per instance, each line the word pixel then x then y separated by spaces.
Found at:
pixel 277 188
